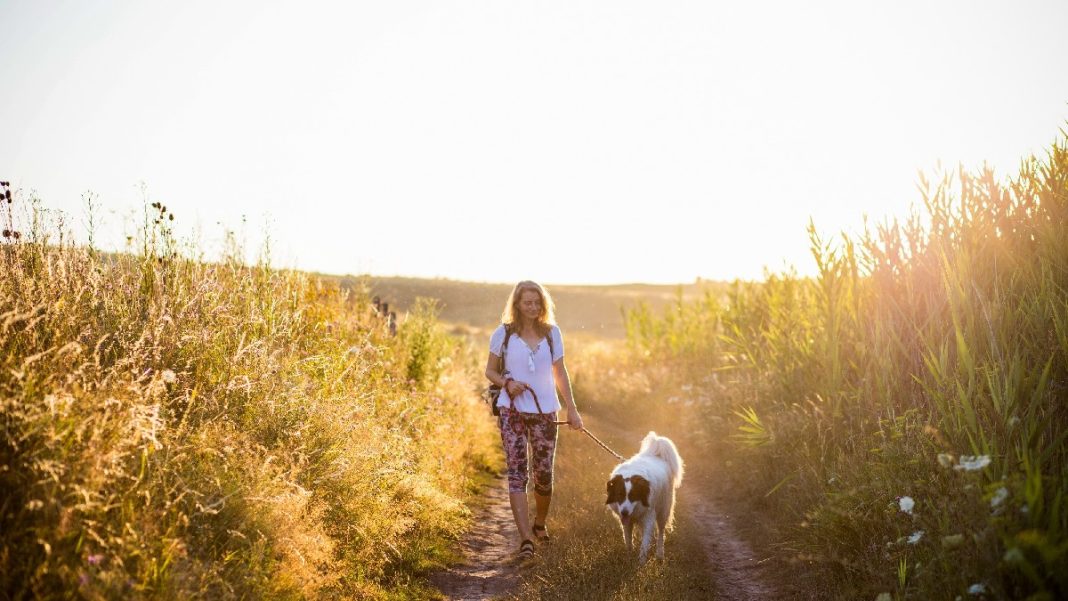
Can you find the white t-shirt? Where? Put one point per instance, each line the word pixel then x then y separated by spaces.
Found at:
pixel 532 366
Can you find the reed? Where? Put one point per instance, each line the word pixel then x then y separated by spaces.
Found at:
pixel 928 359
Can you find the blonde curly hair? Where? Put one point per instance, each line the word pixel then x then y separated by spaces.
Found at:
pixel 546 319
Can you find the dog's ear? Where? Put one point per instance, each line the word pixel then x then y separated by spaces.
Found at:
pixel 639 490
pixel 617 490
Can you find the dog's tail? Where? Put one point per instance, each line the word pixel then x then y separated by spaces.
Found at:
pixel 662 447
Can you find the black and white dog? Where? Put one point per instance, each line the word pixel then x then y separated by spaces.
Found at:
pixel 642 490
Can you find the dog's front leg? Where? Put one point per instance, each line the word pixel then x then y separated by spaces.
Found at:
pixel 627 538
pixel 661 531
pixel 648 527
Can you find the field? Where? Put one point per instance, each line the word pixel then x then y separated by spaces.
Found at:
pixel 595 311
pixel 893 428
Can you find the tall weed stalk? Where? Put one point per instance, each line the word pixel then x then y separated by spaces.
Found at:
pixel 928 359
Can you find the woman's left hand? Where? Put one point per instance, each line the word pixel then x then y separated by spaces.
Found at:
pixel 574 419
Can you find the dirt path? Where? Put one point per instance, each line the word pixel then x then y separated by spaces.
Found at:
pixel 735 569
pixel 487 570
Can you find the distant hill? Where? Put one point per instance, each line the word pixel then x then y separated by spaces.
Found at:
pixel 594 310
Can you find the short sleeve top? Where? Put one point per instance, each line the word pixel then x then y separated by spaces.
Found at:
pixel 533 366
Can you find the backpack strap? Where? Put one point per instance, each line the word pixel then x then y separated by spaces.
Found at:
pixel 504 348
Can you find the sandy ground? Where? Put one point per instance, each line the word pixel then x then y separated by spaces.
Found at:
pixel 488 569
pixel 737 572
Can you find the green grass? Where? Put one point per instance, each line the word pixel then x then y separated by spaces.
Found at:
pixel 917 344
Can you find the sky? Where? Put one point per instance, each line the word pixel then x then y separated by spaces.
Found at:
pixel 567 142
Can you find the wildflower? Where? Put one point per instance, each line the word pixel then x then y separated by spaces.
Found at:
pixel 95 559
pixel 169 376
pixel 915 537
pixel 906 504
pixel 951 541
pixel 977 589
pixel 999 497
pixel 83 579
pixel 945 460
pixel 973 463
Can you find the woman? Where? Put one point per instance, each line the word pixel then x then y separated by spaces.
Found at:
pixel 533 351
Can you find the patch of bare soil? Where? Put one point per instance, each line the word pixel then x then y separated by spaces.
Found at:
pixel 488 569
pixel 738 573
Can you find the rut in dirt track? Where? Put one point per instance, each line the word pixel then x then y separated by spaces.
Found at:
pixel 735 569
pixel 488 569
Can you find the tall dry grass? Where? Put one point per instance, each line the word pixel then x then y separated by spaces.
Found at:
pixel 921 349
pixel 173 428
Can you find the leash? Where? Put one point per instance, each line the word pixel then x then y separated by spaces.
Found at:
pixel 584 430
pixel 598 441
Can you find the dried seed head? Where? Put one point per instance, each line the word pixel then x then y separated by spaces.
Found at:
pixel 7 233
pixel 17 235
pixel 172 216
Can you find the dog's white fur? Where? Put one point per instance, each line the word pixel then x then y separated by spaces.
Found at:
pixel 652 475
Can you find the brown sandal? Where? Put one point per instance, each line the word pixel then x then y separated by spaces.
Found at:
pixel 526 550
pixel 540 533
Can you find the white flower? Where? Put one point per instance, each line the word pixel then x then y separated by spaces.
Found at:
pixel 977 589
pixel 999 497
pixel 945 460
pixel 915 537
pixel 972 463
pixel 906 504
pixel 169 376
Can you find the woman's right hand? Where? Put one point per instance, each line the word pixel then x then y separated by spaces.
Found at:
pixel 514 388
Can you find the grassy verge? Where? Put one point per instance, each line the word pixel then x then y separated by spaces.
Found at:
pixel 896 424
pixel 172 428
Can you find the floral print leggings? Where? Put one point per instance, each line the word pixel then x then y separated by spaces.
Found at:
pixel 517 430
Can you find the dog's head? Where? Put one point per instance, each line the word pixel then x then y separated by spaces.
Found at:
pixel 627 495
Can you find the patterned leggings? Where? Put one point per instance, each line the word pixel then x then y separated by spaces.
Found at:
pixel 540 432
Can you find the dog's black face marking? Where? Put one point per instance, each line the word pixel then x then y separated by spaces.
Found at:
pixel 639 490
pixel 617 490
